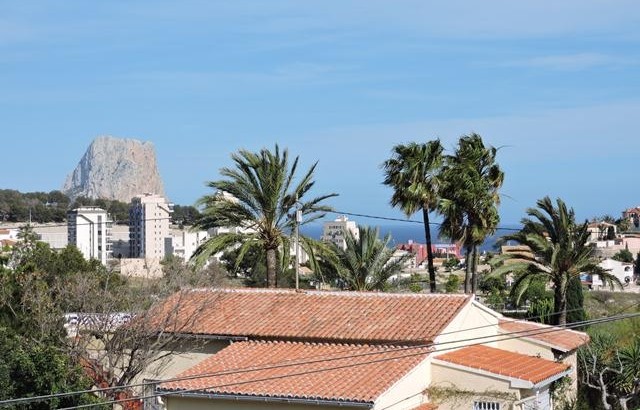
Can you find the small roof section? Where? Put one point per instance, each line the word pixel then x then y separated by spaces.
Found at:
pixel 345 317
pixel 296 370
pixel 512 365
pixel 558 338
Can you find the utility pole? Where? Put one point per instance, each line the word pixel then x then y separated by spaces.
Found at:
pixel 297 234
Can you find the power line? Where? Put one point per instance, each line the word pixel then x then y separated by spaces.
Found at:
pixel 361 215
pixel 491 339
pixel 64 225
pixel 385 218
pixel 116 388
pixel 496 339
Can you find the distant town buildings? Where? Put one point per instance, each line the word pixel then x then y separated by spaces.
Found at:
pixel 633 216
pixel 149 219
pixel 183 243
pixel 335 231
pixel 89 229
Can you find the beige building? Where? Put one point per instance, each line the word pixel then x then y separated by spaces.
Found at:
pixel 335 231
pixel 301 350
pixel 149 219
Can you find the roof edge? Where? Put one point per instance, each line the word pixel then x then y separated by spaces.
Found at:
pixel 542 326
pixel 514 382
pixel 278 399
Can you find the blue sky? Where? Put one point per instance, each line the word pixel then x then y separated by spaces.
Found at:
pixel 554 84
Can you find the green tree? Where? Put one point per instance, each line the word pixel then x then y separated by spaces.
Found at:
pixel 575 301
pixel 34 369
pixel 367 262
pixel 185 215
pixel 623 255
pixel 471 179
pixel 260 196
pixel 559 252
pixel 453 283
pixel 612 370
pixel 414 174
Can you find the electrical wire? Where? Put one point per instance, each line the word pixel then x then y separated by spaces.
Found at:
pixel 384 218
pixel 496 338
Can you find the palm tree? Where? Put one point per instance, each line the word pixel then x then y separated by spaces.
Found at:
pixel 469 199
pixel 414 174
pixel 259 197
pixel 559 252
pixel 367 262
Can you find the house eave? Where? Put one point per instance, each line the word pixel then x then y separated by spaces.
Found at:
pixel 271 399
pixel 514 382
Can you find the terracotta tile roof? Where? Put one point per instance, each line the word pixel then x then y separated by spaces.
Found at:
pixel 350 317
pixel 318 371
pixel 561 339
pixel 505 363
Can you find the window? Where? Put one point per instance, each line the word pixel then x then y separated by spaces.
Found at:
pixel 486 405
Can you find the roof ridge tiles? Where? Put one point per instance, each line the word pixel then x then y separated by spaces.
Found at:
pixel 330 293
pixel 330 343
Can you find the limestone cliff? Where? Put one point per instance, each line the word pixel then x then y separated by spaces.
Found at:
pixel 115 168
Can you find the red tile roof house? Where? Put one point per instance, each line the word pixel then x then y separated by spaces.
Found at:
pixel 310 350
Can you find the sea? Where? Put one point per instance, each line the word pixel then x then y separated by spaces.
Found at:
pixel 405 232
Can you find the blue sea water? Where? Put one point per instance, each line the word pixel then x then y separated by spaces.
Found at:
pixel 403 233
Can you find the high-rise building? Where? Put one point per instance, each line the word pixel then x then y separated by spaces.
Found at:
pixel 89 229
pixel 149 219
pixel 335 231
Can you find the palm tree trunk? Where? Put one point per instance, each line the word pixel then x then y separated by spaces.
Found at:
pixel 271 268
pixel 560 302
pixel 474 270
pixel 468 257
pixel 427 236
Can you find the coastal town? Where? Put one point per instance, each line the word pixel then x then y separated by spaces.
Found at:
pixel 158 313
pixel 335 205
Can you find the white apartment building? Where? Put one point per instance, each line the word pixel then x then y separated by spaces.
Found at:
pixel 89 229
pixel 334 231
pixel 183 243
pixel 149 218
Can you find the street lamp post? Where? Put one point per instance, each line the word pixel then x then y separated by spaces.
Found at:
pixel 297 234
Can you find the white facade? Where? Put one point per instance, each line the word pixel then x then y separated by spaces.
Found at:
pixel 149 218
pixel 334 231
pixel 621 270
pixel 183 243
pixel 89 229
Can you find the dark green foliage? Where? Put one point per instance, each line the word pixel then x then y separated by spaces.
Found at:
pixel 489 284
pixel 541 310
pixel 623 255
pixel 575 301
pixel 453 284
pixel 450 263
pixel 251 267
pixel 185 215
pixel 33 354
pixel 611 370
pixel 367 263
pixel 559 252
pixel 34 369
pixel 469 199
pixel 119 211
pixel 43 207
pixel 414 174
pixel 636 265
pixel 262 192
pixel 611 233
